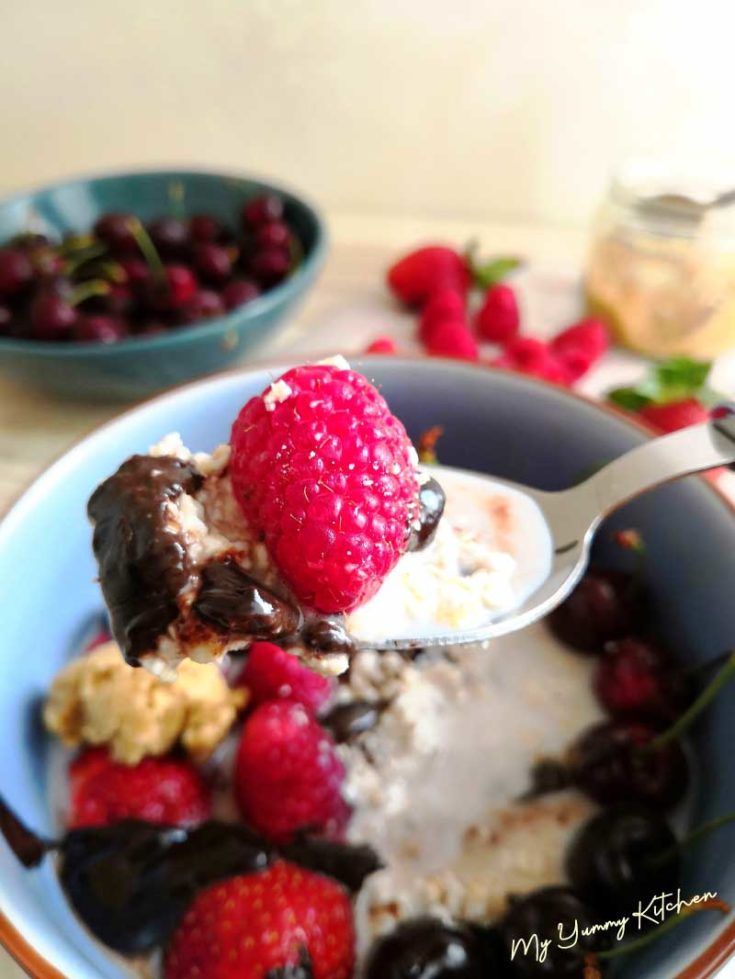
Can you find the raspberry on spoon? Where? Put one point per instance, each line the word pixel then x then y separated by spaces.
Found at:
pixel 327 474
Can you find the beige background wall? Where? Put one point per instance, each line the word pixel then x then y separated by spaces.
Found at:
pixel 473 107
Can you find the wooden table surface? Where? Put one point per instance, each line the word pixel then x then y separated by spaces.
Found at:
pixel 348 308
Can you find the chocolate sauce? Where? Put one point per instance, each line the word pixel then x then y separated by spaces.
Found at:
pixel 132 881
pixel 327 636
pixel 431 508
pixel 230 599
pixel 347 722
pixel 348 863
pixel 143 564
pixel 28 847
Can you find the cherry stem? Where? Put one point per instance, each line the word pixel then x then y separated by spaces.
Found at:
pixel 714 904
pixel 148 249
pixel 724 675
pixel 85 290
pixel 84 255
pixel 694 837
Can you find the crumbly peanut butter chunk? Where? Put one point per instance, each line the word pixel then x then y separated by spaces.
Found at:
pixel 100 699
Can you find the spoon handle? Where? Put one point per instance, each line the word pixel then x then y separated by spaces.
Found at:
pixel 690 450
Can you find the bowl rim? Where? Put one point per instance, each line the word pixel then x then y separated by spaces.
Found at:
pixel 232 319
pixel 722 947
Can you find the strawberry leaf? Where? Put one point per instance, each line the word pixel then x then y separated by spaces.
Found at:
pixel 493 272
pixel 670 380
pixel 630 399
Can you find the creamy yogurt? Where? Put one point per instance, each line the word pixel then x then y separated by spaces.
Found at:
pixel 491 551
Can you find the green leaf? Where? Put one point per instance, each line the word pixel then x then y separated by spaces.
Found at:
pixel 683 372
pixel 495 271
pixel 631 399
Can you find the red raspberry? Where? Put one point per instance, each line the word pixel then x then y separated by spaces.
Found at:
pixel 158 790
pixel 326 475
pixel 674 415
pixel 287 773
pixel 580 346
pixel 271 673
pixel 420 273
pixel 382 345
pixel 443 305
pixel 531 356
pixel 452 338
pixel 498 319
pixel 251 926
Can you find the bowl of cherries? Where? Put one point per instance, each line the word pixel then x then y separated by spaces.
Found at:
pixel 118 286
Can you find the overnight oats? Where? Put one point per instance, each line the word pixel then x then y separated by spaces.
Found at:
pixel 246 790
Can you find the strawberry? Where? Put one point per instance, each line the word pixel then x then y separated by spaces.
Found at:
pixel 443 305
pixel 531 356
pixel 271 673
pixel 452 338
pixel 674 415
pixel 498 319
pixel 287 773
pixel 581 345
pixel 420 273
pixel 158 790
pixel 258 925
pixel 382 345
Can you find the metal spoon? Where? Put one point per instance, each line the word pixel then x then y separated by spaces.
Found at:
pixel 573 516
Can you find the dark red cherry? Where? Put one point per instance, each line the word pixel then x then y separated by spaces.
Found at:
pixel 179 288
pixel 542 913
pixel 99 329
pixel 16 271
pixel 634 678
pixel 427 948
pixel 6 320
pixel 238 292
pixel 204 228
pixel 170 236
pixel 204 305
pixel 622 856
pixel 212 263
pixel 136 271
pixel 261 210
pixel 613 762
pixel 270 266
pixel 274 234
pixel 115 229
pixel 51 316
pixel 605 605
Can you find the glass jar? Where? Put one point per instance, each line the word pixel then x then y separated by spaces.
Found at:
pixel 661 266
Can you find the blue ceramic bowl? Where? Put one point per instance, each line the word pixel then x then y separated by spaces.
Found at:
pixel 517 428
pixel 137 367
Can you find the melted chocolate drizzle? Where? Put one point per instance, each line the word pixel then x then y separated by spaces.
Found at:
pixel 143 565
pixel 431 508
pixel 347 722
pixel 327 636
pixel 132 881
pixel 231 600
pixel 28 847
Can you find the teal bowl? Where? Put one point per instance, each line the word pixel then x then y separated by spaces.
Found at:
pixel 138 366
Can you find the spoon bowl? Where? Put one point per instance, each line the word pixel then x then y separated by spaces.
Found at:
pixel 561 526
